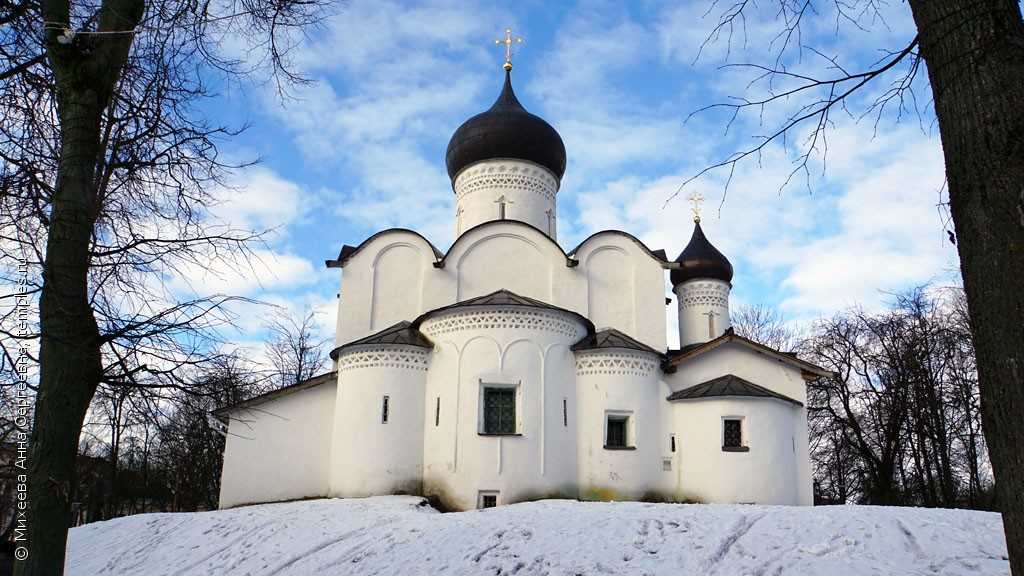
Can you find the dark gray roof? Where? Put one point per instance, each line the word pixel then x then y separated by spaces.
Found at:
pixel 701 260
pixel 401 333
pixel 506 130
pixel 728 385
pixel 676 357
pixel 284 391
pixel 503 298
pixel 612 338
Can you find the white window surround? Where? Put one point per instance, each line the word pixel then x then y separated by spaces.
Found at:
pixel 626 415
pixel 484 493
pixel 517 386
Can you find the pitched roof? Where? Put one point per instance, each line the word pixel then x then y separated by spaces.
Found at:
pixel 284 391
pixel 503 298
pixel 612 338
pixel 677 357
pixel 401 333
pixel 728 385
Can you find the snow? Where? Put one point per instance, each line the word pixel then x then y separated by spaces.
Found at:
pixel 402 535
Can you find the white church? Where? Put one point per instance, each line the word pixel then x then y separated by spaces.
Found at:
pixel 507 369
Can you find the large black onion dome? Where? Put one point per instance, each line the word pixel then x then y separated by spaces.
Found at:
pixel 701 260
pixel 506 130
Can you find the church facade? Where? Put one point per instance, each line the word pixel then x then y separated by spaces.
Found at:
pixel 507 368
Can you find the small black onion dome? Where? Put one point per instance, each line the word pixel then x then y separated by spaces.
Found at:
pixel 701 260
pixel 506 130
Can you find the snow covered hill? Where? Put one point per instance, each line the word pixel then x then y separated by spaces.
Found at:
pixel 401 535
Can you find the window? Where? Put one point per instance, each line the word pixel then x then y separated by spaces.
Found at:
pixel 732 435
pixel 617 433
pixel 671 442
pixel 437 412
pixel 499 406
pixel 666 464
pixel 487 499
pixel 565 412
pixel 384 410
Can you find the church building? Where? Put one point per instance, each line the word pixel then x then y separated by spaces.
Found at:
pixel 507 368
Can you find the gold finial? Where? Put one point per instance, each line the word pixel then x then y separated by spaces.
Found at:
pixel 508 41
pixel 696 199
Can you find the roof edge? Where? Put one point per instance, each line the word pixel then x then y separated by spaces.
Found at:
pixel 532 303
pixel 731 336
pixel 347 251
pixel 313 382
pixel 569 261
pixel 658 254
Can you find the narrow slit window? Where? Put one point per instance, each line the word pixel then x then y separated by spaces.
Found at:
pixel 385 409
pixel 672 442
pixel 565 412
pixel 437 412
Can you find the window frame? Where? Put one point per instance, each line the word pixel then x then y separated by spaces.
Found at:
pixel 517 400
pixel 482 495
pixel 629 433
pixel 743 445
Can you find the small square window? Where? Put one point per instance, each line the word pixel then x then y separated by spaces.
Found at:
pixel 616 435
pixel 488 500
pixel 499 410
pixel 666 464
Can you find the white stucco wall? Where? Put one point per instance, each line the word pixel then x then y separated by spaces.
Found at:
pixel 529 191
pixel 625 287
pixel 623 383
pixel 279 449
pixel 766 474
pixel 383 283
pixel 780 428
pixel 370 456
pixel 521 347
pixel 697 299
pixel 616 284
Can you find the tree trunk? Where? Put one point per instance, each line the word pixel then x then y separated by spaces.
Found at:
pixel 975 55
pixel 70 361
pixel 69 354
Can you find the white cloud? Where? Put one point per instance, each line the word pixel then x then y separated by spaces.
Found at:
pixel 259 199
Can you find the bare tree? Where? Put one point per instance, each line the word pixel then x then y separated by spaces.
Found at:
pixel 765 325
pixel 973 53
pixel 107 171
pixel 295 351
pixel 898 423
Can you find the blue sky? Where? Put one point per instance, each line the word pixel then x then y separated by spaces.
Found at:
pixel 362 148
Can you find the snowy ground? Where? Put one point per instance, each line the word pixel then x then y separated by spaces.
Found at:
pixel 399 535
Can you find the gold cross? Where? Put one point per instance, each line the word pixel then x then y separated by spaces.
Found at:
pixel 508 42
pixel 696 199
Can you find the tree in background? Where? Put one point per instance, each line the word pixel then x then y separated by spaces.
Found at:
pixel 108 172
pixel 973 53
pixel 294 349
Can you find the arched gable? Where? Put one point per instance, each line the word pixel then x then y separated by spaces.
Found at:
pixel 504 254
pixel 625 285
pixel 382 282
